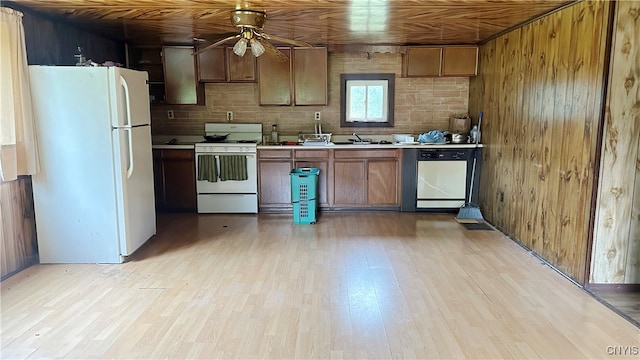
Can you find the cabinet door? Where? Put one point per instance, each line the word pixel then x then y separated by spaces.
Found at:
pixel 349 182
pixel 422 61
pixel 241 68
pixel 158 179
pixel 460 61
pixel 179 181
pixel 323 190
pixel 382 182
pixel 181 86
pixel 274 184
pixel 211 65
pixel 310 76
pixel 274 79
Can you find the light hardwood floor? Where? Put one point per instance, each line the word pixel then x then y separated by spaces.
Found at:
pixel 626 303
pixel 355 285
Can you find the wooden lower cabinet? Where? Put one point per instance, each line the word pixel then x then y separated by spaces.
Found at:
pixel 174 179
pixel 317 159
pixel 274 184
pixel 366 178
pixel 347 178
pixel 349 182
pixel 382 182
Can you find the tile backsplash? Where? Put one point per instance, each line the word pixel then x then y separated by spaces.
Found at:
pixel 421 104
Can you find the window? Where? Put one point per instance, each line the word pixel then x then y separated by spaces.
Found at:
pixel 366 100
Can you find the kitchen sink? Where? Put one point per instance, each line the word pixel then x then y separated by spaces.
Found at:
pixel 361 143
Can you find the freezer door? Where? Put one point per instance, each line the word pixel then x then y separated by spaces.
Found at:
pixel 131 93
pixel 134 185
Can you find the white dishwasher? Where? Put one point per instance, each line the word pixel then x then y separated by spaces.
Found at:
pixel 437 179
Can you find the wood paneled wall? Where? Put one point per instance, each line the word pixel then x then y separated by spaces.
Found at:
pixel 540 88
pixel 18 236
pixel 55 43
pixel 616 250
pixel 48 43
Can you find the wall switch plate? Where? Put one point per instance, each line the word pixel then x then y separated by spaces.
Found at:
pixel 229 115
pixel 317 115
pixel 170 114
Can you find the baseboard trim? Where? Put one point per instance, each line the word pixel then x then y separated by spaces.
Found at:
pixel 614 287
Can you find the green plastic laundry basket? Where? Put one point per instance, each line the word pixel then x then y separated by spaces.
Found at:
pixel 304 187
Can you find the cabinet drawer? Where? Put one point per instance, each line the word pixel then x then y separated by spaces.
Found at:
pixel 365 154
pixel 274 154
pixel 312 154
pixel 178 154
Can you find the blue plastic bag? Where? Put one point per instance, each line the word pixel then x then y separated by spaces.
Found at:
pixel 432 137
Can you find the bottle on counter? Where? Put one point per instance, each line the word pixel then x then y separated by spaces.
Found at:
pixel 274 134
pixel 474 134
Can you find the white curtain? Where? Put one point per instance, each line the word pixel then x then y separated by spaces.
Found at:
pixel 18 148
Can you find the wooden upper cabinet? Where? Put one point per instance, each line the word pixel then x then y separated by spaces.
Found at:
pixel 300 81
pixel 211 65
pixel 310 76
pixel 460 61
pixel 422 61
pixel 181 85
pixel 431 61
pixel 241 68
pixel 222 65
pixel 274 82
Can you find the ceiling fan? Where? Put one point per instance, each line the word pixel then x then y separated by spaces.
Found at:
pixel 250 23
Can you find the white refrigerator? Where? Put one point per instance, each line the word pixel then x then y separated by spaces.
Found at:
pixel 93 197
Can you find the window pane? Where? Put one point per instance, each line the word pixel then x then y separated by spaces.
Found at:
pixel 374 102
pixel 358 102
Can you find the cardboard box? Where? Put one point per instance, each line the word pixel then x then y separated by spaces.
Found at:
pixel 460 125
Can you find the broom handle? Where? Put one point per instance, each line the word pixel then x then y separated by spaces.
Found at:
pixel 473 174
pixel 475 157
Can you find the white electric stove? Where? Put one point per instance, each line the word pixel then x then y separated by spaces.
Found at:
pixel 216 194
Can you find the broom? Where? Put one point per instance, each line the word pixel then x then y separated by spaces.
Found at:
pixel 470 213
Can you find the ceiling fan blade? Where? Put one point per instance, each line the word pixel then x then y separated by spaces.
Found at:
pixel 215 44
pixel 273 51
pixel 214 37
pixel 286 41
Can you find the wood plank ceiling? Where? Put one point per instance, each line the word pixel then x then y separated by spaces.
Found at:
pixel 319 22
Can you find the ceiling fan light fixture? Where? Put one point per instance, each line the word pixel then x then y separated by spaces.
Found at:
pixel 240 47
pixel 256 47
pixel 249 24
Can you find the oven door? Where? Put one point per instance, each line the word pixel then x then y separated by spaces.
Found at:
pixel 230 186
pixel 231 196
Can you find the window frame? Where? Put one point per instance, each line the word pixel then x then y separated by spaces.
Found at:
pixel 363 79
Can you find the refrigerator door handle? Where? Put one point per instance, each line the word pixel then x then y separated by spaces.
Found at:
pixel 127 101
pixel 129 152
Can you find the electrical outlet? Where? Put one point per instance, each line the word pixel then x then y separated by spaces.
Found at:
pixel 317 116
pixel 170 115
pixel 229 115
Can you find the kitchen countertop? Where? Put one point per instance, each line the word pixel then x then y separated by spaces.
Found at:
pixel 188 142
pixel 191 146
pixel 181 141
pixel 369 146
pixel 188 146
